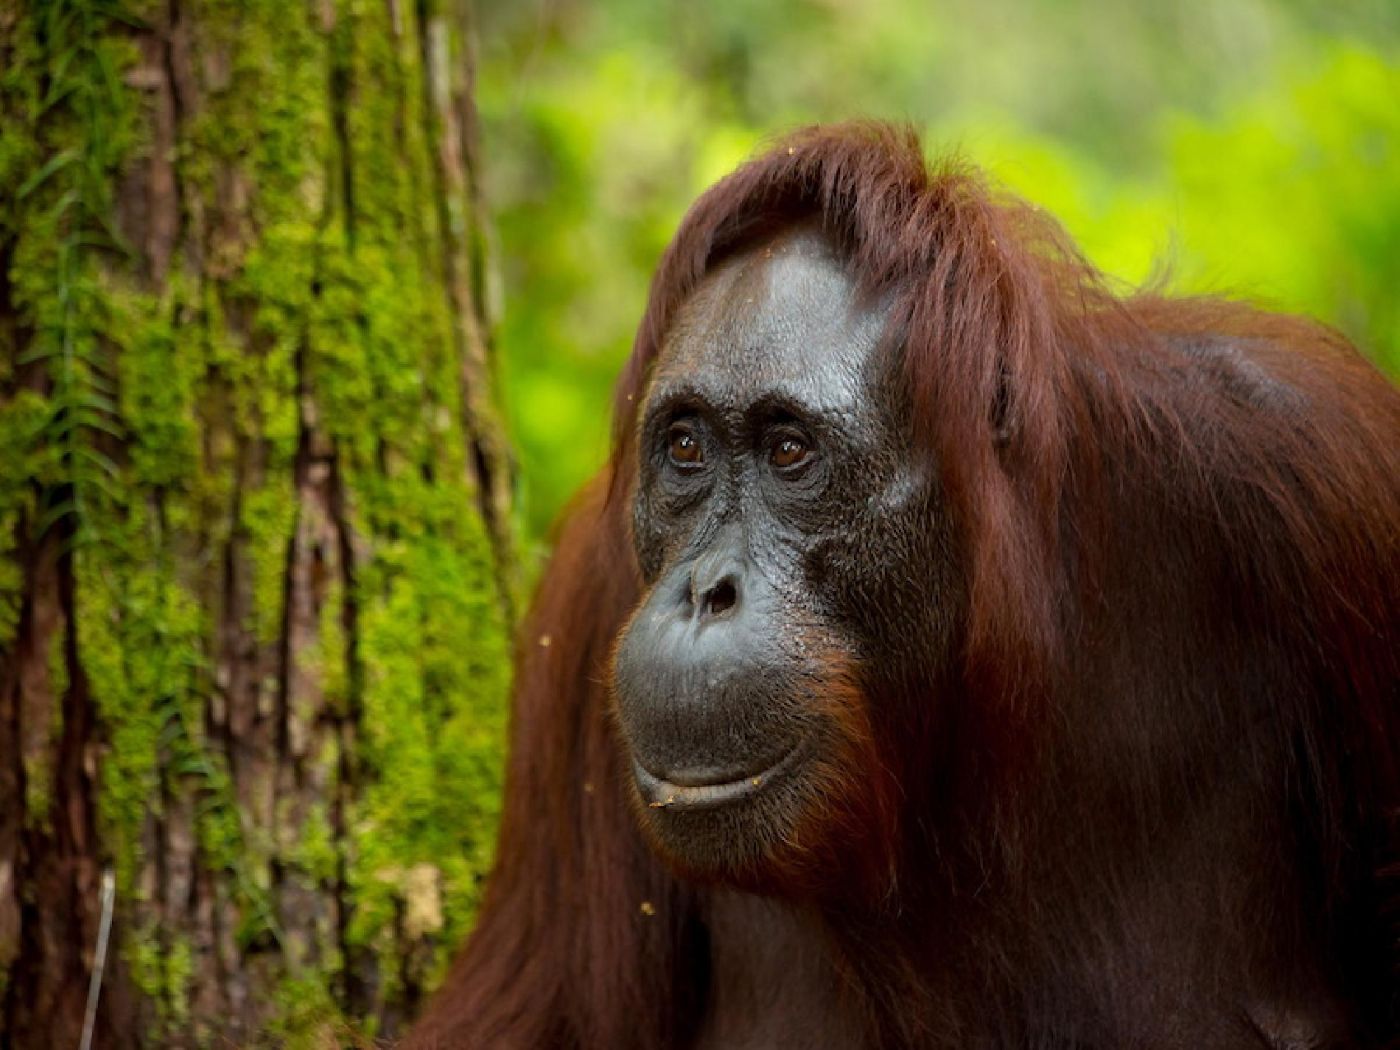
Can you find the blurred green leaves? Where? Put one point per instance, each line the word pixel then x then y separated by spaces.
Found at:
pixel 1250 148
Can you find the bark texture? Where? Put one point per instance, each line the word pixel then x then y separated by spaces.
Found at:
pixel 254 516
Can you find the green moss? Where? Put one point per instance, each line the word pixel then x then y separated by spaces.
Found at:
pixel 158 370
pixel 142 647
pixel 432 724
pixel 57 221
pixel 11 581
pixel 38 767
pixel 175 419
pixel 162 967
pixel 307 1016
pixel 354 295
pixel 268 520
pixel 431 638
pixel 332 657
pixel 316 853
pixel 21 423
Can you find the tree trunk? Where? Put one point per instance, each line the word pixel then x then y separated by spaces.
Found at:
pixel 254 516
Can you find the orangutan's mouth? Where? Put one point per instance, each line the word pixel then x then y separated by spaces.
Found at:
pixel 685 790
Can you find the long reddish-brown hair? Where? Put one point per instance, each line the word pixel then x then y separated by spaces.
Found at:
pixel 1048 405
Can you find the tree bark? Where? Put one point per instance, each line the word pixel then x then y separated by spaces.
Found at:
pixel 255 559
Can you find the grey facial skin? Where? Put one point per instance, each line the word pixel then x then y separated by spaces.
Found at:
pixel 774 504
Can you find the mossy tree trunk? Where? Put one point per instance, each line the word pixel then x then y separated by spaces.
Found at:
pixel 254 566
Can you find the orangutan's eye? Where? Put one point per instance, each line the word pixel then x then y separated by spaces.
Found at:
pixel 683 446
pixel 788 452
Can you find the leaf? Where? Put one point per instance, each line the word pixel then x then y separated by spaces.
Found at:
pixel 118 243
pixel 100 459
pixel 60 85
pixel 95 401
pixel 100 483
pixel 37 352
pixel 63 203
pixel 93 421
pixel 55 163
pixel 54 515
pixel 117 12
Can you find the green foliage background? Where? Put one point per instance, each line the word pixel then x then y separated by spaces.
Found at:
pixel 1239 146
